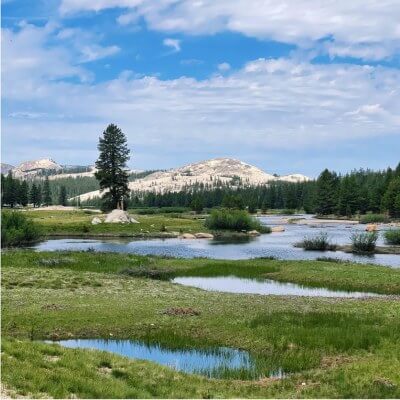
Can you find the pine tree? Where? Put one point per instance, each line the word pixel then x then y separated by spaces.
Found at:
pixel 47 192
pixel 23 194
pixel 327 185
pixel 197 204
pixel 62 198
pixel 111 167
pixel 10 193
pixel 36 195
pixel 391 198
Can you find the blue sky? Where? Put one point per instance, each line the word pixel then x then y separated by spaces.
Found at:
pixel 287 86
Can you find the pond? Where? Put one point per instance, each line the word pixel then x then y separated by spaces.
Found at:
pixel 233 284
pixel 211 362
pixel 279 245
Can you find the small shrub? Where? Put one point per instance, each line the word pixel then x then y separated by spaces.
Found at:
pixel 392 237
pixel 163 228
pixel 234 220
pixel 373 218
pixel 364 242
pixel 146 272
pixel 319 242
pixel 85 228
pixel 17 229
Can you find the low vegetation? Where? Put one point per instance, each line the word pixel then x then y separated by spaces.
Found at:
pixel 374 218
pixel 17 229
pixel 234 220
pixel 392 237
pixel 364 242
pixel 319 242
pixel 327 347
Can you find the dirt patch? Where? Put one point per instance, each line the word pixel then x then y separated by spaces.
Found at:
pixel 181 311
pixel 386 383
pixel 52 358
pixel 104 370
pixel 52 307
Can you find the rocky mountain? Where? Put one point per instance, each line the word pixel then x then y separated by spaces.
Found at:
pixel 5 168
pixel 210 173
pixel 30 169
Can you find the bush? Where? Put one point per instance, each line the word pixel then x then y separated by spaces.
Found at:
pixel 17 229
pixel 373 218
pixel 392 237
pixel 234 220
pixel 319 242
pixel 364 242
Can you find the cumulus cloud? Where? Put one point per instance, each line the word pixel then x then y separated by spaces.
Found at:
pixel 355 27
pixel 174 44
pixel 268 104
pixel 223 67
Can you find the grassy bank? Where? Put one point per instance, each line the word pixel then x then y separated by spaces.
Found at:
pixel 336 347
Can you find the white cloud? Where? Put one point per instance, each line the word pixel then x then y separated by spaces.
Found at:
pixel 96 52
pixel 174 44
pixel 268 104
pixel 354 27
pixel 223 67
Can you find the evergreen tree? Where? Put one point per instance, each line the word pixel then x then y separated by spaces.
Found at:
pixel 36 195
pixel 62 198
pixel 24 194
pixel 327 185
pixel 197 204
pixel 47 192
pixel 10 190
pixel 391 199
pixel 111 166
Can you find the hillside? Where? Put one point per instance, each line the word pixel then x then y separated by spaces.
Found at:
pixel 30 169
pixel 210 173
pixel 5 168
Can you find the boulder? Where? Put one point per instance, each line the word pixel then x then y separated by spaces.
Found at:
pixel 187 236
pixel 119 217
pixel 203 235
pixel 253 233
pixel 96 221
pixel 371 227
pixel 278 229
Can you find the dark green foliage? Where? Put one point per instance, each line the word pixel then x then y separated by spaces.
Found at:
pixel 35 195
pixel 327 193
pixel 24 194
pixel 10 190
pixel 392 237
pixel 46 192
pixel 112 169
pixel 391 198
pixel 62 197
pixel 17 230
pixel 233 201
pixel 373 218
pixel 197 204
pixel 364 242
pixel 234 220
pixel 319 242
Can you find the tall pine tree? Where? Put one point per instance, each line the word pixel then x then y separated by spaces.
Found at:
pixel 47 192
pixel 62 197
pixel 111 167
pixel 327 191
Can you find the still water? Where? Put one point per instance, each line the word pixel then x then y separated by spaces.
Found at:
pixel 232 284
pixel 212 362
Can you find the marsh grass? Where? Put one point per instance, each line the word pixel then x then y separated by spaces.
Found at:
pixel 392 237
pixel 364 242
pixel 374 218
pixel 319 242
pixel 147 272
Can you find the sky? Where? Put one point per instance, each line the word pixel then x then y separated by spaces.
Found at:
pixel 291 86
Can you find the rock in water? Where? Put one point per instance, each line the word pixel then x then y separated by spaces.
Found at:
pixel 203 235
pixel 371 227
pixel 119 217
pixel 278 229
pixel 96 221
pixel 253 233
pixel 187 236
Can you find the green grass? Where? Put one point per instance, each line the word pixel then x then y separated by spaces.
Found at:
pixel 374 218
pixel 337 347
pixel 78 223
pixel 318 242
pixel 392 237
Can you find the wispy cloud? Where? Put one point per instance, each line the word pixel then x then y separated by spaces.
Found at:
pixel 174 44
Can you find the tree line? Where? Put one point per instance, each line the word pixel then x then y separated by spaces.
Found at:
pixel 16 192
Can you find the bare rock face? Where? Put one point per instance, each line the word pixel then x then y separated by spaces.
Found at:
pixel 278 229
pixel 35 167
pixel 187 236
pixel 119 217
pixel 371 227
pixel 96 221
pixel 203 235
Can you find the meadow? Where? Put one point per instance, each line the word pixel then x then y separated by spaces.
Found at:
pixel 328 347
